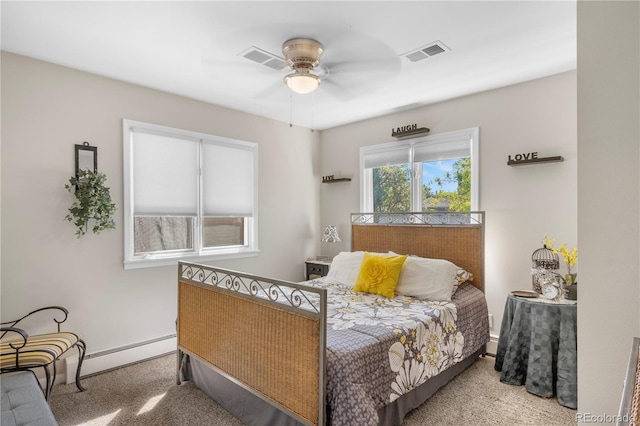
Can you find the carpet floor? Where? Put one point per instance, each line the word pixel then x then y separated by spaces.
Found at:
pixel 146 394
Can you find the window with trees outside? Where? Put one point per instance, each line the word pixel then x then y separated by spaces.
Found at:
pixel 428 173
pixel 187 195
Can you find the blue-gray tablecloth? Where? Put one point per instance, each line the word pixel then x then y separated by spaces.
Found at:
pixel 538 348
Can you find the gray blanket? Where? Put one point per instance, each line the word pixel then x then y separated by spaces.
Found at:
pixel 378 349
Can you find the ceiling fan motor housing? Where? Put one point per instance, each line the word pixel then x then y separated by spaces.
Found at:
pixel 302 53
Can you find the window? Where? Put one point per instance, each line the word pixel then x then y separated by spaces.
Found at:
pixel 187 195
pixel 429 173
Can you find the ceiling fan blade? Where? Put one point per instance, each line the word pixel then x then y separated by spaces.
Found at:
pixel 338 90
pixel 347 82
pixel 358 64
pixel 273 90
pixel 373 65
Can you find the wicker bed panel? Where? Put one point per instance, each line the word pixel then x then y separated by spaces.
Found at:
pixel 235 335
pixel 462 245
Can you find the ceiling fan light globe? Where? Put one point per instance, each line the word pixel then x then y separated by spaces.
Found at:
pixel 302 83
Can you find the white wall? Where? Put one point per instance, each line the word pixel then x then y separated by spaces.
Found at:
pixel 608 199
pixel 522 203
pixel 46 109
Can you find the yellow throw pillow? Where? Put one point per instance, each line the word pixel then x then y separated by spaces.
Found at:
pixel 379 275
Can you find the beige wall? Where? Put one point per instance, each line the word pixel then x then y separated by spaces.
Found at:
pixel 522 203
pixel 608 199
pixel 46 109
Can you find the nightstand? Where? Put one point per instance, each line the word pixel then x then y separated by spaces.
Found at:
pixel 316 269
pixel 538 347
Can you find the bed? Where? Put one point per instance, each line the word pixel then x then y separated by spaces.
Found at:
pixel 274 352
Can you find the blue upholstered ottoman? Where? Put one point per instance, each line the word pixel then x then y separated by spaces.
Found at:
pixel 23 402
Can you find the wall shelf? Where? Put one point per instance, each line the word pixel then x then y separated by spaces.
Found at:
pixel 407 133
pixel 331 179
pixel 535 161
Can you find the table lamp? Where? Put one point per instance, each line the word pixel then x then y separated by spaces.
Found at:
pixel 330 235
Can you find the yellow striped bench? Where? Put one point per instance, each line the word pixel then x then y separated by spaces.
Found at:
pixel 39 350
pixel 23 352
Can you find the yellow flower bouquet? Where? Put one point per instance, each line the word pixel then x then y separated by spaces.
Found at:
pixel 570 258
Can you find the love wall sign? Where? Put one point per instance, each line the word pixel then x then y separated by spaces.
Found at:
pixel 530 158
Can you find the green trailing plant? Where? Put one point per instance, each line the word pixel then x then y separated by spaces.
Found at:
pixel 93 202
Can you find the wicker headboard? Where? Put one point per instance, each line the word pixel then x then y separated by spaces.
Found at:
pixel 456 237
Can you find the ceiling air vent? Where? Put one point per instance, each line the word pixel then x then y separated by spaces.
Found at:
pixel 263 57
pixel 427 51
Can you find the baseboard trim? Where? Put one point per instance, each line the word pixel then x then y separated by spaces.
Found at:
pixel 492 346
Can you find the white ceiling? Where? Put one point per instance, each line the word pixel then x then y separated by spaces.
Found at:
pixel 192 49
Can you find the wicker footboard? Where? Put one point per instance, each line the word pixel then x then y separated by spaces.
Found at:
pixel 266 335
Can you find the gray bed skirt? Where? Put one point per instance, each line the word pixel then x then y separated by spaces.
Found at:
pixel 254 411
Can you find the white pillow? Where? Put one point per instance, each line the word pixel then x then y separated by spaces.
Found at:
pixel 345 267
pixel 424 278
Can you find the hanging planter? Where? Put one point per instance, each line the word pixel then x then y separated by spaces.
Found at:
pixel 92 203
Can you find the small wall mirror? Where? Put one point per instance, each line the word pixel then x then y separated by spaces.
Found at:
pixel 86 157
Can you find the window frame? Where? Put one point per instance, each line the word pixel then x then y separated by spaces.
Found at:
pixel 366 174
pixel 198 253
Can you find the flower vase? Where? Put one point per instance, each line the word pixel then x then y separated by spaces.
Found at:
pixel 572 292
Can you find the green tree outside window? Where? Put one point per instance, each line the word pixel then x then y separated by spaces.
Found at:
pixel 392 189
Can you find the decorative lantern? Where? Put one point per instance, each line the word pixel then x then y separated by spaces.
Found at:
pixel 543 258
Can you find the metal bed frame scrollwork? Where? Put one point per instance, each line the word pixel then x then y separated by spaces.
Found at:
pixel 419 218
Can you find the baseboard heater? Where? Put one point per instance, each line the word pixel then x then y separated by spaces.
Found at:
pixel 129 346
pixel 109 359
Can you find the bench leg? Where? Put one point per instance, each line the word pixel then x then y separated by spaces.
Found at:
pixel 82 350
pixel 49 384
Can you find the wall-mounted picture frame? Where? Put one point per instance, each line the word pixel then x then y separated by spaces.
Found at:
pixel 86 157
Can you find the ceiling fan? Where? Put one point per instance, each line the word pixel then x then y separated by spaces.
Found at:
pixel 346 63
pixel 302 55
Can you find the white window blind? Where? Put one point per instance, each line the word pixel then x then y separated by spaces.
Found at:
pixel 387 155
pixel 165 178
pixel 441 150
pixel 227 180
pixel 416 151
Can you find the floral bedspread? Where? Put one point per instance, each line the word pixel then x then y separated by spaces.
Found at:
pixel 379 349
